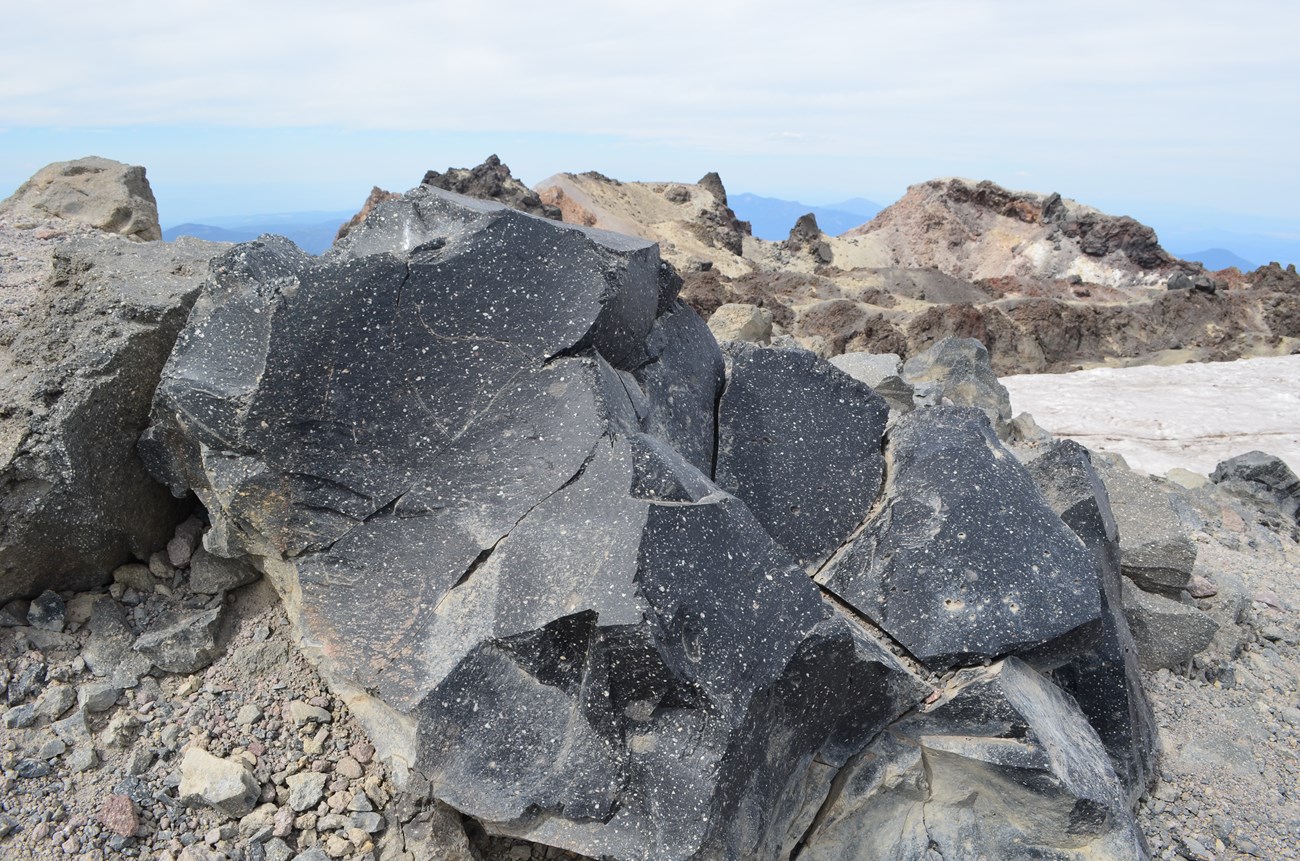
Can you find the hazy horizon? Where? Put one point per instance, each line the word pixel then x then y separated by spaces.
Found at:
pixel 1182 115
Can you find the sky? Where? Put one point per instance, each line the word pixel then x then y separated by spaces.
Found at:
pixel 1182 114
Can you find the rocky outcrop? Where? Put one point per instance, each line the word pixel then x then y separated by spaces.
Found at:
pixel 377 196
pixel 691 222
pixel 77 374
pixel 493 181
pixel 977 230
pixel 97 192
pixel 559 565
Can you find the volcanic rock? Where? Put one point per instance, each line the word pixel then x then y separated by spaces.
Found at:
pixel 979 230
pixel 79 376
pixel 736 321
pixel 1263 479
pixel 550 555
pixel 104 194
pixel 1156 552
pixel 959 372
pixel 800 442
pixel 959 775
pixel 1103 679
pixel 964 561
pixel 1168 633
pixel 377 196
pixel 493 181
pixel 222 784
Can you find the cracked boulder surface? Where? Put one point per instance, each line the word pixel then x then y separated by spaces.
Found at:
pixel 474 450
pixel 964 561
pixel 1002 759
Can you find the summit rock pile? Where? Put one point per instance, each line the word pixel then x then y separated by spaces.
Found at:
pixel 554 548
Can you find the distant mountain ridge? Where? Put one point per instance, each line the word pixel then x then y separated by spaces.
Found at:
pixel 772 217
pixel 1219 258
pixel 312 231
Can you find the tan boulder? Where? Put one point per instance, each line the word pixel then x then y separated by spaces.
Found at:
pixel 97 192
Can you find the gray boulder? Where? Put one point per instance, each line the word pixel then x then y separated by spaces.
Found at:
pixel 1263 479
pixel 75 500
pixel 182 641
pixel 1168 632
pixel 1156 552
pixel 959 372
pixel 210 574
pixel 101 193
pixel 964 562
pixel 222 784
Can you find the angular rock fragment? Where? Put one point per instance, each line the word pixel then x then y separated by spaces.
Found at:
pixel 800 442
pixel 1156 552
pixel 1103 679
pixel 222 784
pixel 1003 759
pixel 180 641
pixel 1168 633
pixel 475 453
pixel 964 562
pixel 736 321
pixel 1262 478
pixel 210 574
pixel 961 371
pixel 80 372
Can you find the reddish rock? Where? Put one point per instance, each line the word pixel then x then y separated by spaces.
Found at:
pixel 118 814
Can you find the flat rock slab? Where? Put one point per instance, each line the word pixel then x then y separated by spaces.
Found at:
pixel 964 562
pixel 1156 550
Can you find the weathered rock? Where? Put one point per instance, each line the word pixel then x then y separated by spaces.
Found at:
pixel 800 442
pixel 883 372
pixel 98 192
pixel 182 641
pixel 118 814
pixel 223 784
pixel 135 576
pixel 305 789
pixel 377 196
pixel 960 370
pixel 1103 679
pixel 492 181
pixel 1002 759
pixel 47 612
pixel 1263 479
pixel 869 368
pixel 108 653
pixel 210 574
pixel 574 592
pixel 474 451
pixel 80 373
pixel 964 562
pixel 1156 552
pixel 1168 633
pixel 740 322
pixel 98 696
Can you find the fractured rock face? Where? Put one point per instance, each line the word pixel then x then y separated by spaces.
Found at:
pixel 78 378
pixel 1002 759
pixel 1103 679
pixel 551 555
pixel 800 442
pixel 964 562
pixel 469 445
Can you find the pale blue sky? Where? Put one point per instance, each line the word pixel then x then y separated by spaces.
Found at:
pixel 1182 114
